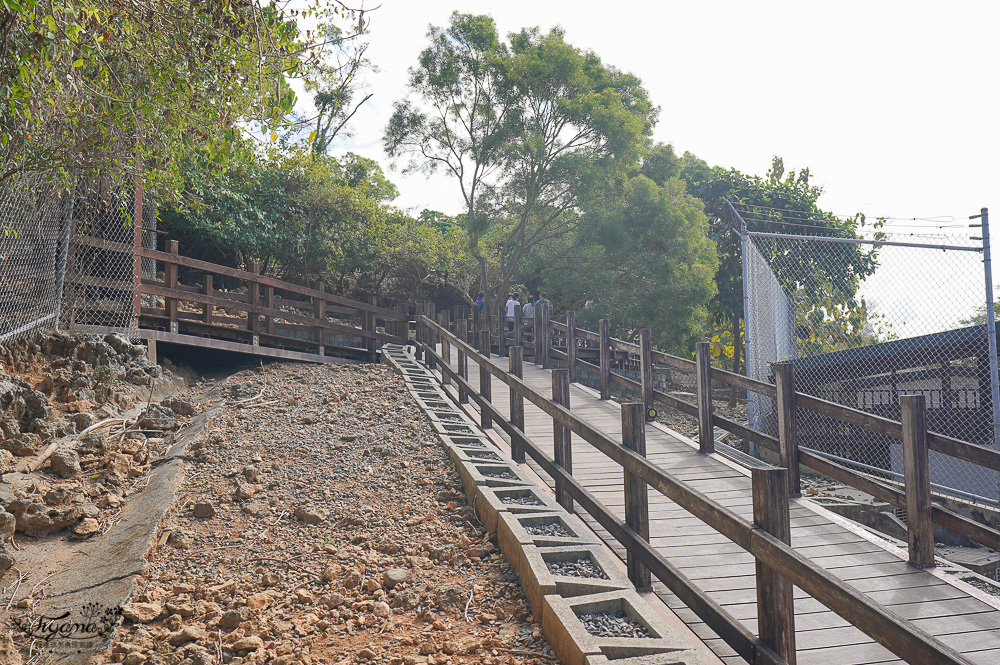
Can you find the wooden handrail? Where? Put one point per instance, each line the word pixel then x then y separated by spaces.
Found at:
pixel 264 280
pixel 898 635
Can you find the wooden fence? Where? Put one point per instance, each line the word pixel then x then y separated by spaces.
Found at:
pixel 766 538
pixel 271 318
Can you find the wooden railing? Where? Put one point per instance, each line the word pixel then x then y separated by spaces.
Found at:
pixel 272 317
pixel 766 538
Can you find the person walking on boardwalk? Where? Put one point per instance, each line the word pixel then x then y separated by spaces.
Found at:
pixel 528 311
pixel 480 303
pixel 512 305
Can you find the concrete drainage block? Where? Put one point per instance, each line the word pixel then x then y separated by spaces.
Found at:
pixel 461 429
pixel 489 475
pixel 449 417
pixel 673 658
pixel 616 624
pixel 518 531
pixel 579 570
pixel 477 455
pixel 467 442
pixel 489 502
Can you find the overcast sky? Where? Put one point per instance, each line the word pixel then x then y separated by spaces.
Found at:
pixel 892 105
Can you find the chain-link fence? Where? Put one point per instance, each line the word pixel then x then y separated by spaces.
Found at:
pixel 66 256
pixel 100 264
pixel 865 321
pixel 34 223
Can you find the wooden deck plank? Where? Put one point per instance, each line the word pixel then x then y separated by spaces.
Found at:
pixel 726 572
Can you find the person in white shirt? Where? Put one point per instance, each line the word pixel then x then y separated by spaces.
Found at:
pixel 512 303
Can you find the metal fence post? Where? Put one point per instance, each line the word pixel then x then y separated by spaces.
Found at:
pixel 916 477
pixel 636 492
pixel 788 432
pixel 64 234
pixel 775 604
pixel 485 379
pixel 703 367
pixel 516 355
pixel 562 438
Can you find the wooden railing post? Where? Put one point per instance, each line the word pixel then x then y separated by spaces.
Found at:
pixel 502 332
pixel 636 491
pixel 372 344
pixel 269 304
pixel 206 290
pixel 536 325
pixel 253 301
pixel 646 369
pixel 788 431
pixel 561 436
pixel 463 362
pixel 604 349
pixel 703 369
pixel 518 322
pixel 430 338
pixel 775 605
pixel 170 281
pixel 916 478
pixel 445 317
pixel 485 378
pixel 546 337
pixel 417 333
pixel 516 354
pixel 571 345
pixel 319 312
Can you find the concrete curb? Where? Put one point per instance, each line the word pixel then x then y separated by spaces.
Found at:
pixel 569 637
pixel 538 581
pixel 555 600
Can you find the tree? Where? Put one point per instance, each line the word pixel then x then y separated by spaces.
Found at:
pixel 641 259
pixel 526 128
pixel 94 85
pixel 465 118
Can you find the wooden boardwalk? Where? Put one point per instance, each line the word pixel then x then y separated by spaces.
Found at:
pixel 959 615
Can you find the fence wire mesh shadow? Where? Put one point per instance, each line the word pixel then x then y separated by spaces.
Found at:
pixel 34 219
pixel 863 324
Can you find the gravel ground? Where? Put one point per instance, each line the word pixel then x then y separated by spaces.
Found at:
pixel 583 567
pixel 332 530
pixel 554 529
pixel 613 624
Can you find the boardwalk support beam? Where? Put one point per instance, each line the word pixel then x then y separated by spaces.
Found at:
pixel 646 372
pixel 462 333
pixel 571 345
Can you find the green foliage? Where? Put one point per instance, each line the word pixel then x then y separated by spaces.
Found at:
pixel 92 85
pixel 526 128
pixel 640 258
pixel 104 376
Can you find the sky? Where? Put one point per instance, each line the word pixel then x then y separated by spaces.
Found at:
pixel 891 105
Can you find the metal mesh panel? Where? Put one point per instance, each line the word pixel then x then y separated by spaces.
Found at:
pixel 862 340
pixel 34 217
pixel 100 270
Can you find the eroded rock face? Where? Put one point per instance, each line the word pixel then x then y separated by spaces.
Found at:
pixel 36 519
